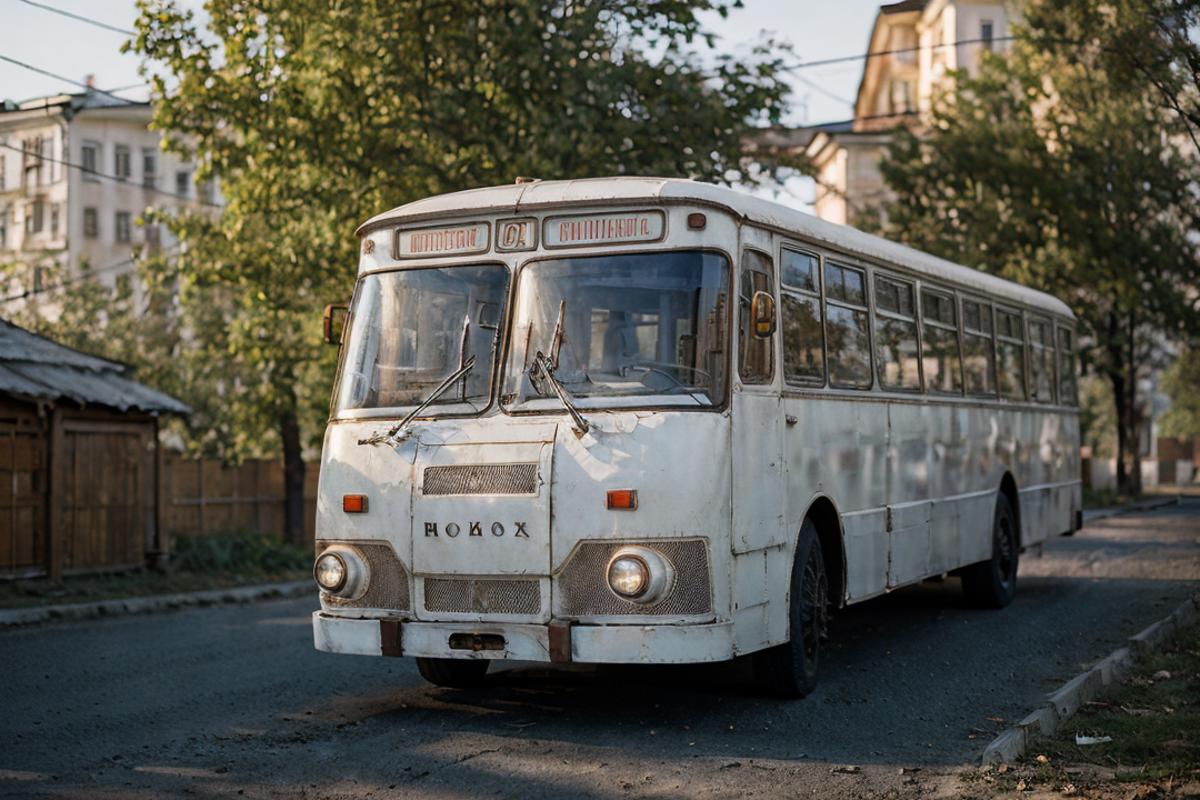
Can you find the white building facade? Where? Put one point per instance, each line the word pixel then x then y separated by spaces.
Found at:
pixel 922 42
pixel 77 174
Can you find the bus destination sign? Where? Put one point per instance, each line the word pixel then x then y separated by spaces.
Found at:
pixel 626 227
pixel 442 241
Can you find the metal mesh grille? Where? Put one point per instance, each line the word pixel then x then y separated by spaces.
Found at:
pixel 483 596
pixel 481 479
pixel 389 579
pixel 583 585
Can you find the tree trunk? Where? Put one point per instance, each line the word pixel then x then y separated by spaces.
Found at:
pixel 1135 440
pixel 1115 370
pixel 293 478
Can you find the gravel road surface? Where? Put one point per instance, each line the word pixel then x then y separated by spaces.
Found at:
pixel 218 702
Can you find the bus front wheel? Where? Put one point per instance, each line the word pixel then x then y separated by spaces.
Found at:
pixel 790 669
pixel 453 673
pixel 993 583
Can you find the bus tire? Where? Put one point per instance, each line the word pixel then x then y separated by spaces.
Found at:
pixel 790 669
pixel 993 583
pixel 453 673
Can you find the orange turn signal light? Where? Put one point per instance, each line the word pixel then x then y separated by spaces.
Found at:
pixel 622 500
pixel 354 503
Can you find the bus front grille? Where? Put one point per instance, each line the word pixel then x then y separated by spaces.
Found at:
pixel 480 479
pixel 483 596
pixel 582 588
pixel 388 587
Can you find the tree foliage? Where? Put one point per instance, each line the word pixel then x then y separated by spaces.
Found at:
pixel 316 114
pixel 1055 169
pixel 1181 383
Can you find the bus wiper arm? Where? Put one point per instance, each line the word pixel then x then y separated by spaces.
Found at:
pixel 543 365
pixel 451 379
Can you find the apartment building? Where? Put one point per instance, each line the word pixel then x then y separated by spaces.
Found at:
pixel 922 41
pixel 77 172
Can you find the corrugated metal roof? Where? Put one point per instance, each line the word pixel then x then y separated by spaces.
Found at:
pixel 40 368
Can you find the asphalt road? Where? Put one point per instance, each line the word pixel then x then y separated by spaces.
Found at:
pixel 223 701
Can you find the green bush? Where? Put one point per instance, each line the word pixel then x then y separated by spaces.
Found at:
pixel 238 552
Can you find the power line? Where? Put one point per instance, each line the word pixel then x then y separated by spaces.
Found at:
pixel 72 81
pixel 822 90
pixel 879 53
pixel 79 17
pixel 107 176
pixel 82 276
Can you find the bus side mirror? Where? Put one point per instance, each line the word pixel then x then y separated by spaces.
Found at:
pixel 762 314
pixel 335 322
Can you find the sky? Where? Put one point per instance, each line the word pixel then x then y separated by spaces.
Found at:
pixel 817 29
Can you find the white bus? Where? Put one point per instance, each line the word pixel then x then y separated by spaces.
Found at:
pixel 658 421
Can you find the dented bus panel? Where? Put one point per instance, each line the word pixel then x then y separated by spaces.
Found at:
pixel 574 443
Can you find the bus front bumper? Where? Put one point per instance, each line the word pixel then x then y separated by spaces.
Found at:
pixel 587 644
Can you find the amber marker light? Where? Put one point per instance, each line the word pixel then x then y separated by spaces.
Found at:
pixel 354 503
pixel 622 500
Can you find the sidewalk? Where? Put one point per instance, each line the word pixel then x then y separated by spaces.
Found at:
pixel 1091 515
pixel 144 605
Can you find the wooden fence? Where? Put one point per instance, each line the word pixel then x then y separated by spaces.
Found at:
pixel 201 496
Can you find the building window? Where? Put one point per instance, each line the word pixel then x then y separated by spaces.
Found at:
pixel 153 234
pixel 122 227
pixel 34 217
pixel 89 160
pixel 4 228
pixel 149 167
pixel 55 213
pixel 31 161
pixel 91 223
pixel 3 164
pixel 121 162
pixel 208 192
pixel 987 33
pixel 183 183
pixel 48 153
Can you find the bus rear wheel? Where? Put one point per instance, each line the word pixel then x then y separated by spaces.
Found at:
pixel 453 673
pixel 993 583
pixel 790 669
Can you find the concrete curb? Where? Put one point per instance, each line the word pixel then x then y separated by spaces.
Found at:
pixel 1141 505
pixel 1061 704
pixel 145 605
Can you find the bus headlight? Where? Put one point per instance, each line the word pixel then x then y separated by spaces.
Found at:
pixel 639 575
pixel 341 570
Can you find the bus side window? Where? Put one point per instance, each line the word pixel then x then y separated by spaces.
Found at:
pixel 803 335
pixel 847 331
pixel 1067 386
pixel 1010 355
pixel 1041 361
pixel 939 343
pixel 757 356
pixel 979 359
pixel 898 363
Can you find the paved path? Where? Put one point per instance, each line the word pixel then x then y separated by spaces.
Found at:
pixel 207 702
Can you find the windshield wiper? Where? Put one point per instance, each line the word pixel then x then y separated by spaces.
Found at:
pixel 451 379
pixel 542 364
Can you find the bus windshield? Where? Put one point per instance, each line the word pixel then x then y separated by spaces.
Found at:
pixel 620 328
pixel 412 329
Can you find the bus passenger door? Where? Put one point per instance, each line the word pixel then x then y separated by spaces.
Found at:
pixel 761 567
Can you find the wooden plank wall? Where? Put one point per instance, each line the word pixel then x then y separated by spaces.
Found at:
pixel 202 496
pixel 23 476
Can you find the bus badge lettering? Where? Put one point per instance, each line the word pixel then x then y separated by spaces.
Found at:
pixel 513 235
pixel 497 529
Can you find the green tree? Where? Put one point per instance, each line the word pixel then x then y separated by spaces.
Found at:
pixel 1181 383
pixel 1049 169
pixel 316 114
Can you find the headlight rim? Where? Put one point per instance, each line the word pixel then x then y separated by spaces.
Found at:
pixel 329 553
pixel 660 574
pixel 357 572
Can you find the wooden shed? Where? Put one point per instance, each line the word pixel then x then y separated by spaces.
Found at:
pixel 79 460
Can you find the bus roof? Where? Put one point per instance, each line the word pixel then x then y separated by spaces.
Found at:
pixel 526 197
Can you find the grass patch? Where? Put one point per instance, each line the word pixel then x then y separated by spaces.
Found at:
pixel 1153 717
pixel 212 561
